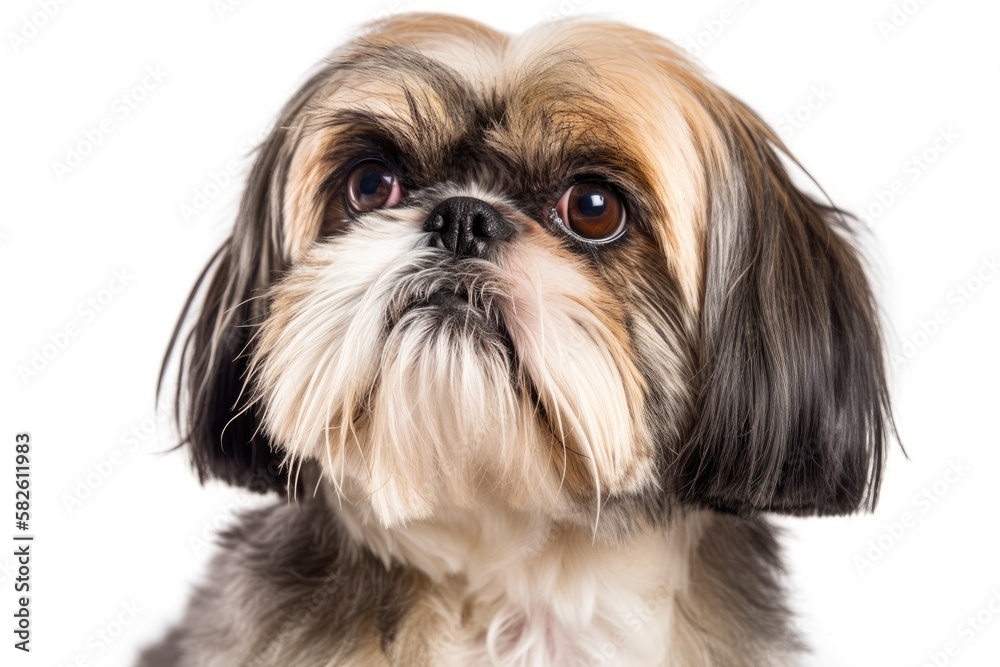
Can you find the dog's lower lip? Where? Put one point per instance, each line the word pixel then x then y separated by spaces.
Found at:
pixel 444 300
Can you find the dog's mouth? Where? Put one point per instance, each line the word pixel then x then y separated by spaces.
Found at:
pixel 444 303
pixel 453 310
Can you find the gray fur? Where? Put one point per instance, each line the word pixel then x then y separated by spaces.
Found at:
pixel 783 404
pixel 288 587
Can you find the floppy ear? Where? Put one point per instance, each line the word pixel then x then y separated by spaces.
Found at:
pixel 793 412
pixel 222 433
pixel 215 418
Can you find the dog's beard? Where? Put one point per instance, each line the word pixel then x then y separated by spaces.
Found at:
pixel 421 380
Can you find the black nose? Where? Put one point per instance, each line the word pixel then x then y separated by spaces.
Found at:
pixel 465 226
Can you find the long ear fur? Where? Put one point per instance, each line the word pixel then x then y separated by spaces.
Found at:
pixel 793 413
pixel 221 429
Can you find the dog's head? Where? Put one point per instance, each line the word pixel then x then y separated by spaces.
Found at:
pixel 552 272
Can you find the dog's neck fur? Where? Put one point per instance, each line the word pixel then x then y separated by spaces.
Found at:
pixel 511 589
pixel 515 589
pixel 309 583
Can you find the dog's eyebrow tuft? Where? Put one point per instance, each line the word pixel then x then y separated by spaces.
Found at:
pixel 397 63
pixel 432 105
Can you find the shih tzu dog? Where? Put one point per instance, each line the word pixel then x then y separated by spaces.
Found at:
pixel 532 332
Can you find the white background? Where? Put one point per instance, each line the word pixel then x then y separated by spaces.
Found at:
pixel 885 93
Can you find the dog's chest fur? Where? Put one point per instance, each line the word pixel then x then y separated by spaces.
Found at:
pixel 310 586
pixel 511 590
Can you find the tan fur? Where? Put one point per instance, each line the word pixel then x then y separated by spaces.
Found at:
pixel 565 328
pixel 666 103
pixel 489 439
pixel 654 91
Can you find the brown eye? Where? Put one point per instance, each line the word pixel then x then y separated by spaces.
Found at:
pixel 373 185
pixel 592 211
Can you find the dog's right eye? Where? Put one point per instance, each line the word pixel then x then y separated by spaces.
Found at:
pixel 373 185
pixel 592 212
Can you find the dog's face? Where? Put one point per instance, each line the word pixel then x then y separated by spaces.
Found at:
pixel 554 272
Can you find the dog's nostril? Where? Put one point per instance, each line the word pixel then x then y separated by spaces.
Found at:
pixel 434 223
pixel 483 227
pixel 462 224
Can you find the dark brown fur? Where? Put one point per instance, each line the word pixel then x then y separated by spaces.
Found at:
pixel 784 407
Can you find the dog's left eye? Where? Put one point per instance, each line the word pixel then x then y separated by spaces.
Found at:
pixel 592 212
pixel 373 185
